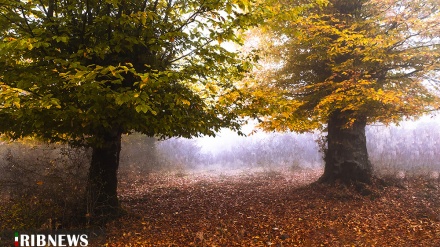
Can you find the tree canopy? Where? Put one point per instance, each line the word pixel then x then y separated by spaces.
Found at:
pixel 339 65
pixel 70 69
pixel 86 72
pixel 373 59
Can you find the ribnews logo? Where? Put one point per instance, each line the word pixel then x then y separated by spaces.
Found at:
pixel 54 240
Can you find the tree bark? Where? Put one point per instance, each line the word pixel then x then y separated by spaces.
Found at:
pixel 346 157
pixel 102 197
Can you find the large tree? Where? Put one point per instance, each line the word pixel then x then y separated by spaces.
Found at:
pixel 86 72
pixel 339 65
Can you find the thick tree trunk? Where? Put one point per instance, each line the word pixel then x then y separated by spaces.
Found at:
pixel 346 157
pixel 102 197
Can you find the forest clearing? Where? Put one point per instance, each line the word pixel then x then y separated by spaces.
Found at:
pixel 274 208
pixel 218 204
pixel 109 110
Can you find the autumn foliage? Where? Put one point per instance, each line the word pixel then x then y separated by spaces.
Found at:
pixel 374 59
pixel 338 66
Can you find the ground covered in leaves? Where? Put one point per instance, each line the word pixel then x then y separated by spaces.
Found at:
pixel 274 208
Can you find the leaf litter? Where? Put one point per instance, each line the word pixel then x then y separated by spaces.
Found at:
pixel 274 208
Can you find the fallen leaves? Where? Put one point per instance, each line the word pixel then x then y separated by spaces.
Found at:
pixel 283 209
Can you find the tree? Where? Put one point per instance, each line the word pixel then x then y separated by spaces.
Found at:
pixel 339 65
pixel 86 72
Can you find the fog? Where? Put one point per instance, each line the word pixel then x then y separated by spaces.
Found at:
pixel 411 146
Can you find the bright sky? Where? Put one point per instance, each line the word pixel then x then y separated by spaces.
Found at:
pixel 227 138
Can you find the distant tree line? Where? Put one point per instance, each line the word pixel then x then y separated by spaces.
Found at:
pixel 391 148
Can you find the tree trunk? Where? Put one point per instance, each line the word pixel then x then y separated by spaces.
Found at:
pixel 346 157
pixel 102 197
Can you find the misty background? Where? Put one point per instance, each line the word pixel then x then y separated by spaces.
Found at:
pixel 411 146
pixel 37 176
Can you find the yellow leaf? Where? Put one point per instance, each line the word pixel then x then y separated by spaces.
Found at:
pixel 186 102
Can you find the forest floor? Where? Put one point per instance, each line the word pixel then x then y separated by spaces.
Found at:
pixel 274 208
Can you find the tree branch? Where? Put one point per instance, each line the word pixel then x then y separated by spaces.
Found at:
pixel 191 52
pixel 31 32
